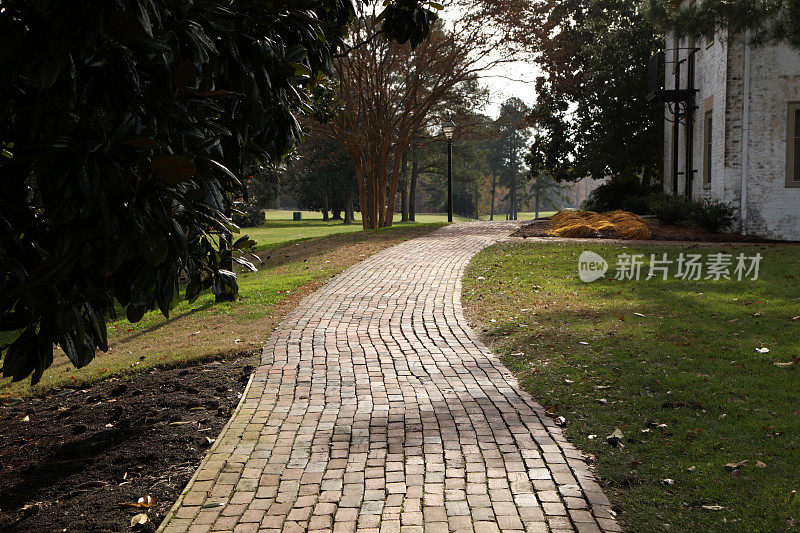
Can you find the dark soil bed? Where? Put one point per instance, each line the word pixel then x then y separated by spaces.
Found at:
pixel 661 232
pixel 68 461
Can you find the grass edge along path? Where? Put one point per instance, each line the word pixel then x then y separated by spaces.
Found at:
pixel 204 330
pixel 710 418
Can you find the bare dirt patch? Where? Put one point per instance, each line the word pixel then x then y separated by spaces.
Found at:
pixel 69 460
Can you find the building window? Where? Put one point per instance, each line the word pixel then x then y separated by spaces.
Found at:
pixel 793 145
pixel 708 128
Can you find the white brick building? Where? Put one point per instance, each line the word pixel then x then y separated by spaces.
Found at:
pixel 743 92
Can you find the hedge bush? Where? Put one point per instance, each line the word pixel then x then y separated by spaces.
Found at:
pixel 712 215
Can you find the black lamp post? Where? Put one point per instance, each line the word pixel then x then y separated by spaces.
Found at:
pixel 449 129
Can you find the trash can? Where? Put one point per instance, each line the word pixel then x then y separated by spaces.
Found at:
pixel 298 215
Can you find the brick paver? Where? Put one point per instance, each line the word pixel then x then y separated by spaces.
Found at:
pixel 376 409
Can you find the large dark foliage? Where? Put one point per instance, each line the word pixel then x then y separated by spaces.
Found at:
pixel 628 194
pixel 124 125
pixel 592 115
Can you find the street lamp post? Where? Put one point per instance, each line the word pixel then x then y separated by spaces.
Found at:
pixel 449 129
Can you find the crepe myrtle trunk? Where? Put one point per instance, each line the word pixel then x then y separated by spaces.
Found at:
pixel 412 193
pixel 404 189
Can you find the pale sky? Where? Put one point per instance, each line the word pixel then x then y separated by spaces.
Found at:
pixel 507 80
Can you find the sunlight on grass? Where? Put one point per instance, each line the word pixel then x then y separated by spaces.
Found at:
pixel 203 328
pixel 525 215
pixel 636 355
pixel 280 228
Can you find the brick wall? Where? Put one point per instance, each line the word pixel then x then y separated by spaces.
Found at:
pixel 773 210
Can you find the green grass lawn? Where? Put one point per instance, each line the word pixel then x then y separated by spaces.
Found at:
pixel 204 329
pixel 280 228
pixel 524 215
pixel 676 365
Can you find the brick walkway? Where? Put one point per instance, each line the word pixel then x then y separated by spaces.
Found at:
pixel 377 409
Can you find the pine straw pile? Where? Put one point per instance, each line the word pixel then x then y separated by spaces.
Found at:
pixel 588 224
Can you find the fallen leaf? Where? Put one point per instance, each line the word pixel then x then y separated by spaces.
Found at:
pixel 713 507
pixel 139 520
pixel 26 419
pixel 212 505
pixel 734 466
pixel 667 481
pixel 639 314
pixel 783 365
pixel 762 350
pixel 761 464
pixel 615 439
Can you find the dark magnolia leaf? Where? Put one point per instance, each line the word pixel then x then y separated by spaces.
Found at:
pixel 224 169
pixel 185 74
pixel 139 142
pixel 243 243
pixel 98 327
pixel 196 195
pixel 134 312
pixel 19 360
pixel 245 263
pixel 212 93
pixel 173 168
pixel 193 289
pixel 125 27
pixel 80 353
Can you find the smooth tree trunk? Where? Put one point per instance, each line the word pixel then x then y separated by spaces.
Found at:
pixel 404 189
pixel 537 192
pixel 494 188
pixel 325 203
pixel 412 193
pixel 348 208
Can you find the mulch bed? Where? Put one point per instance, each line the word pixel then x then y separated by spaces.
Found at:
pixel 69 460
pixel 661 232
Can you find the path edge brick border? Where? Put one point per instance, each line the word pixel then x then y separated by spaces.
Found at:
pixel 209 453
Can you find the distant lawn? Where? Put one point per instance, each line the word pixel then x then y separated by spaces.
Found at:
pixel 524 215
pixel 674 364
pixel 280 228
pixel 204 329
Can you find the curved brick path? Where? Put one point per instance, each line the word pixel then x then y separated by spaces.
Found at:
pixel 377 409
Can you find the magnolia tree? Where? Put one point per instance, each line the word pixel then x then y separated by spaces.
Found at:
pixel 125 126
pixel 388 92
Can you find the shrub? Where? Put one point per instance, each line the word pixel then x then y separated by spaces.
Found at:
pixel 712 215
pixel 248 215
pixel 669 208
pixel 624 194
